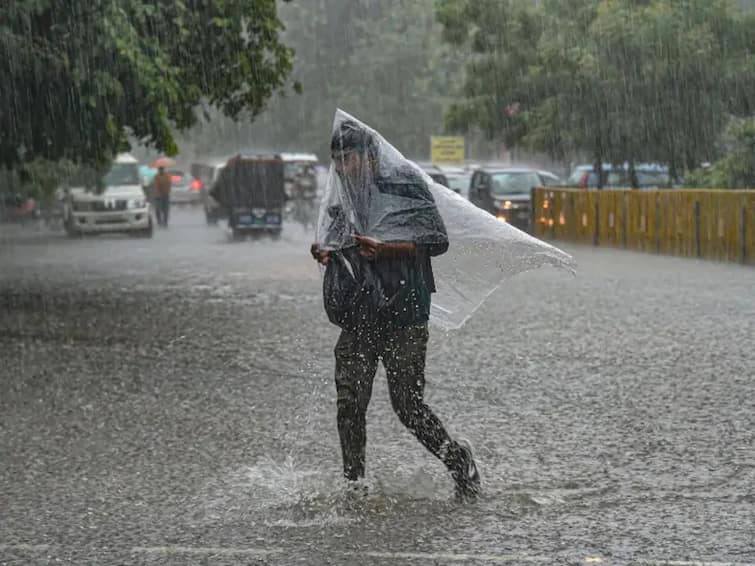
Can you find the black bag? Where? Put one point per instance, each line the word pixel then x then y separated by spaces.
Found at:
pixel 353 294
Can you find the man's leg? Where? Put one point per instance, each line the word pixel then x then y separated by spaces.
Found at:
pixel 356 364
pixel 404 361
pixel 160 210
pixel 166 210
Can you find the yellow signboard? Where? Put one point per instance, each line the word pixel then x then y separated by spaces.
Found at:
pixel 446 149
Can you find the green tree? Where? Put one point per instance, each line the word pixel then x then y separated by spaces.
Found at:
pixel 621 80
pixel 736 168
pixel 383 61
pixel 81 75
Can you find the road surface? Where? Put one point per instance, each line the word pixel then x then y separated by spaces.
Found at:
pixel 171 401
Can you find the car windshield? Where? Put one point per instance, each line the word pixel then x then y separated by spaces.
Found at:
pixel 514 183
pixel 122 174
pixel 459 184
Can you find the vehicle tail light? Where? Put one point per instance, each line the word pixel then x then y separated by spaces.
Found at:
pixel 196 185
pixel 176 178
pixel 583 181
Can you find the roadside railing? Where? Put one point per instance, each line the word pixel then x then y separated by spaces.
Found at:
pixel 712 224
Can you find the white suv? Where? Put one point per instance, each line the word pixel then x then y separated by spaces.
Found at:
pixel 120 206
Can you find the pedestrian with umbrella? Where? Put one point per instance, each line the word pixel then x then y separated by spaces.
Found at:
pixel 162 184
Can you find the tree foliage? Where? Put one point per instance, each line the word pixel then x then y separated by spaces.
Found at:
pixel 79 75
pixel 383 61
pixel 736 168
pixel 622 80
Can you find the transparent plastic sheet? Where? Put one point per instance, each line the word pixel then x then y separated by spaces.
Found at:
pixel 372 190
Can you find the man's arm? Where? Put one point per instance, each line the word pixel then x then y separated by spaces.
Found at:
pixel 375 249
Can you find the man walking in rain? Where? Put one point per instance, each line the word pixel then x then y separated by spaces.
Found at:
pixel 163 184
pixel 382 228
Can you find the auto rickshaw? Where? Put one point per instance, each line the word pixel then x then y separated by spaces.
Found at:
pixel 252 190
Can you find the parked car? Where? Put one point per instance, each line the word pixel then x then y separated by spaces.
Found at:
pixel 649 176
pixel 113 203
pixel 206 175
pixel 506 192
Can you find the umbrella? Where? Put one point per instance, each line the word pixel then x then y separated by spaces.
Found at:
pixel 162 162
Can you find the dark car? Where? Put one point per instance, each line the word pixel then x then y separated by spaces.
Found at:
pixel 506 192
pixel 252 190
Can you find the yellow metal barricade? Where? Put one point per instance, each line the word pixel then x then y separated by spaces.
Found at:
pixel 714 224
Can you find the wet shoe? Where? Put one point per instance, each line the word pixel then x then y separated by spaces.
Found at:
pixel 356 489
pixel 467 476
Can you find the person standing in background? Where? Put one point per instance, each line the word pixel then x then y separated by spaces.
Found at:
pixel 162 185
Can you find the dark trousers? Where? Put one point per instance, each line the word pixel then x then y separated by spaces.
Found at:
pixel 403 355
pixel 162 210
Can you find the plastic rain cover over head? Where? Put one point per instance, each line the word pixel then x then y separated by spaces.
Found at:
pixel 372 190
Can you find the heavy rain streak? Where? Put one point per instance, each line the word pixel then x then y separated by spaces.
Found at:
pixel 390 282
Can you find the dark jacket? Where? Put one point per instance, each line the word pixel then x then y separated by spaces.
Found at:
pixel 390 293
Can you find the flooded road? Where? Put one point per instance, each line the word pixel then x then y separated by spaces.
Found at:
pixel 171 401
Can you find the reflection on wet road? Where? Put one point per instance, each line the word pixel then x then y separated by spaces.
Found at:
pixel 170 401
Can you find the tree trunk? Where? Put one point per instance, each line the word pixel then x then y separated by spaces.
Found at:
pixel 634 182
pixel 598 166
pixel 598 169
pixel 673 174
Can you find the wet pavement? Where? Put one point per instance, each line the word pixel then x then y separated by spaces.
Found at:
pixel 171 401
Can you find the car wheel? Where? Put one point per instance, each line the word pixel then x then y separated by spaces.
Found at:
pixel 149 230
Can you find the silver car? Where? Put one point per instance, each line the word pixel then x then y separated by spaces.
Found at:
pixel 183 189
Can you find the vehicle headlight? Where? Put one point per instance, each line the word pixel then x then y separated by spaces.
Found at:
pixel 136 203
pixel 507 205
